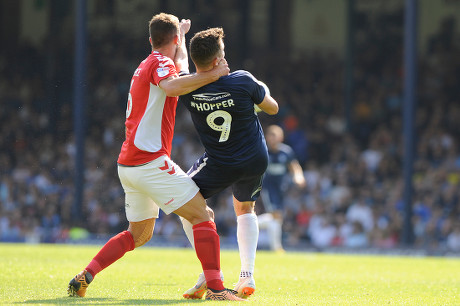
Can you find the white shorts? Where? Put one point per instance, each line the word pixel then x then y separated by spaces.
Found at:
pixel 158 184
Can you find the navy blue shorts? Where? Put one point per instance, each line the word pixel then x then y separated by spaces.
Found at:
pixel 272 197
pixel 245 179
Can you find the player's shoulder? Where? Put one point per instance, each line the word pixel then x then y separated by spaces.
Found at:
pixel 157 59
pixel 241 74
pixel 285 148
pixel 241 77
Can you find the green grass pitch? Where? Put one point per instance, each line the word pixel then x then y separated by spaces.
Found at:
pixel 39 274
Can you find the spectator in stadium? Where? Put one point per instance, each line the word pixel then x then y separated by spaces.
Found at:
pixel 151 180
pixel 282 162
pixel 453 239
pixel 236 154
pixel 322 230
pixel 357 238
pixel 361 212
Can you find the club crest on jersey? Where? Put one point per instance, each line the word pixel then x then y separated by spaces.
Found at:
pixel 162 72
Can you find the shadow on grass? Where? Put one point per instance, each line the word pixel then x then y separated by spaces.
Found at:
pixel 108 301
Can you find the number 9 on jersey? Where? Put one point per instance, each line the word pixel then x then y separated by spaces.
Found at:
pixel 223 128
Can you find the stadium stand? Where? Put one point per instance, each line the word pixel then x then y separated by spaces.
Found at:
pixel 354 193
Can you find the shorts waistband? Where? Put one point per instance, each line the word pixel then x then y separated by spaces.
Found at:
pixel 131 166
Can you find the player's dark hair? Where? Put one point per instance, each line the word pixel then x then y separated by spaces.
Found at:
pixel 162 28
pixel 205 46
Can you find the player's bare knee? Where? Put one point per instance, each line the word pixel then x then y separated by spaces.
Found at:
pixel 142 231
pixel 242 208
pixel 194 211
pixel 196 218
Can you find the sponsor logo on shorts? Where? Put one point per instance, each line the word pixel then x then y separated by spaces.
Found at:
pixel 167 167
pixel 169 202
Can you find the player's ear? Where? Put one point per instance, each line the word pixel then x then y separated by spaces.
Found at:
pixel 150 40
pixel 177 40
pixel 215 61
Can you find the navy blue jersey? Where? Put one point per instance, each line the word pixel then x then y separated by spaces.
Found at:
pixel 224 117
pixel 278 167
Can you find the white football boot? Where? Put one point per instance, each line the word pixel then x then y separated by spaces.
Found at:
pixel 245 287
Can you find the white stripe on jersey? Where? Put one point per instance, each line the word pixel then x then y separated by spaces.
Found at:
pixel 148 135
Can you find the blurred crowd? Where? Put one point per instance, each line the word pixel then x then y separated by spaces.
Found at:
pixel 354 170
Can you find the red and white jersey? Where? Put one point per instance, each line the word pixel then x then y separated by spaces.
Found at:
pixel 150 114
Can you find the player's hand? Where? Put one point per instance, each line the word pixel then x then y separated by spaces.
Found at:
pixel 221 68
pixel 299 180
pixel 184 26
pixel 223 61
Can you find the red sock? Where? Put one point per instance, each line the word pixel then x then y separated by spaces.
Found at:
pixel 113 250
pixel 207 248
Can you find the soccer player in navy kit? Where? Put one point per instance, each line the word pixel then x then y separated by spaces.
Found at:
pixel 236 154
pixel 282 162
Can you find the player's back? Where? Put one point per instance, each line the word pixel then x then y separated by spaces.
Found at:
pixel 150 114
pixel 224 117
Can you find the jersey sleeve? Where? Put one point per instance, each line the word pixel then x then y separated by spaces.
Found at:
pixel 163 70
pixel 290 154
pixel 255 88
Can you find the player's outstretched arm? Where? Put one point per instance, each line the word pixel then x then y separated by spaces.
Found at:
pixel 297 173
pixel 176 86
pixel 181 57
pixel 269 105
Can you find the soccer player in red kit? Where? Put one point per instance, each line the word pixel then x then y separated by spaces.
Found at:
pixel 150 179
